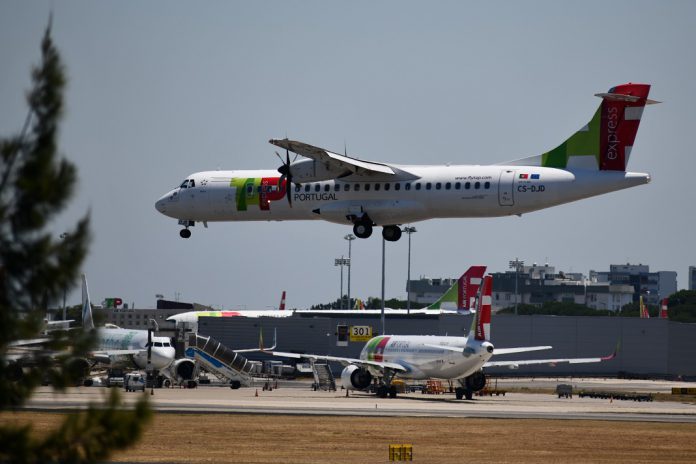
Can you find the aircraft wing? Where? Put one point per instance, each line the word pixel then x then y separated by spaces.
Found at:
pixel 339 162
pixel 359 362
pixel 459 349
pixel 528 362
pixel 114 352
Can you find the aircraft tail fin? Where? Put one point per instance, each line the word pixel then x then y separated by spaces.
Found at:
pixel 462 294
pixel 87 320
pixel 605 142
pixel 282 302
pixel 663 308
pixel 481 325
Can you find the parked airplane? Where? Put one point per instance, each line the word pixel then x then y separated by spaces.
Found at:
pixel 459 297
pixel 421 357
pixel 346 190
pixel 124 347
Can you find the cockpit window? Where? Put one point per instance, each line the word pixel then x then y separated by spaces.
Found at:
pixel 185 184
pixel 192 183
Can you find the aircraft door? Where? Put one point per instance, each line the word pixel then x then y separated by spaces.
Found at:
pixel 505 188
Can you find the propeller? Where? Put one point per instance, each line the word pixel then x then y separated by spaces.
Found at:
pixel 285 174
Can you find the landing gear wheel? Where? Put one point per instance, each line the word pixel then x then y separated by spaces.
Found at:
pixel 235 384
pixel 185 233
pixel 469 395
pixel 391 233
pixel 382 391
pixel 392 391
pixel 362 229
pixel 459 393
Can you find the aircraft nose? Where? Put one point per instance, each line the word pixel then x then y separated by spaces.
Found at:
pixel 161 204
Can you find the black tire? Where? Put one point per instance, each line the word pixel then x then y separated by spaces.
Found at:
pixel 391 233
pixel 382 391
pixel 235 384
pixel 459 393
pixel 468 394
pixel 184 233
pixel 392 391
pixel 362 229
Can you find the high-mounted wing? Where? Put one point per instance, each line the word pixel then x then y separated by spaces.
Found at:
pixel 359 362
pixel 334 161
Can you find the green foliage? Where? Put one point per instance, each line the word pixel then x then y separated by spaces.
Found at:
pixel 555 308
pixel 682 306
pixel 35 268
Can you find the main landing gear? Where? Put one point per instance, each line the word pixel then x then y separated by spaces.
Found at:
pixel 362 228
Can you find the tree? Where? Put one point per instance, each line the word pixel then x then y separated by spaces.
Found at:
pixel 36 184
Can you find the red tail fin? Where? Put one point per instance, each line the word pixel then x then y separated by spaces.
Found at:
pixel 663 308
pixel 282 302
pixel 621 110
pixel 469 284
pixel 483 312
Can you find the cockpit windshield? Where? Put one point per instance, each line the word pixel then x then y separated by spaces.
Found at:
pixel 185 184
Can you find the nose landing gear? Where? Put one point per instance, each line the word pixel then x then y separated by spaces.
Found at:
pixel 186 233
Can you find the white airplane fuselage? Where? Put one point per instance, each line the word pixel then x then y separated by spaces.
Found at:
pixel 422 358
pixel 416 193
pixel 162 353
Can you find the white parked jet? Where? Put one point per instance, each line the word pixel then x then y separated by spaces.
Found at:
pixel 458 298
pixel 421 357
pixel 124 347
pixel 345 190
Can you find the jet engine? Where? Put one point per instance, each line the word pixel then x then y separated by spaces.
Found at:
pixel 476 381
pixel 355 378
pixel 183 369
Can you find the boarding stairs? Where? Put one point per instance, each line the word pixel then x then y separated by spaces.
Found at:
pixel 220 360
pixel 323 377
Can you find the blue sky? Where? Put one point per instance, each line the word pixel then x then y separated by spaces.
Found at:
pixel 158 90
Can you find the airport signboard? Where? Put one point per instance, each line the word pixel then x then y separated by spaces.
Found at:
pixel 360 333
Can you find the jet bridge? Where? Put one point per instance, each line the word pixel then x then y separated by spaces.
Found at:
pixel 220 360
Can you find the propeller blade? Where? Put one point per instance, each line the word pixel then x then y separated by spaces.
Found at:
pixel 288 183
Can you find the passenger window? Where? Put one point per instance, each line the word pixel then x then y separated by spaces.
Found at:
pixel 487 185
pixel 337 187
pixel 297 188
pixel 407 186
pixel 317 187
pixel 367 187
pixel 386 186
pixel 477 185
pixel 250 189
pixel 458 185
pixel 467 185
pixel 346 187
pixel 397 186
pixel 438 186
pixel 428 186
pixel 356 187
pixel 307 187
pixel 418 186
pixel 327 187
pixel 376 187
pixel 448 185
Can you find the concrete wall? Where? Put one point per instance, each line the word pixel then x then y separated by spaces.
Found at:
pixel 648 346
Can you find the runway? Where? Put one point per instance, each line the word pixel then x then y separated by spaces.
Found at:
pixel 304 401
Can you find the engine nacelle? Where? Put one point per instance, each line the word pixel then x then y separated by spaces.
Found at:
pixel 183 369
pixel 355 378
pixel 308 170
pixel 476 381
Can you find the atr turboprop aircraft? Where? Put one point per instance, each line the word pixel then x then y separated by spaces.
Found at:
pixel 346 190
pixel 421 357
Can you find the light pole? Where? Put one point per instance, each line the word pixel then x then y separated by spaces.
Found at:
pixel 350 238
pixel 409 230
pixel 341 262
pixel 516 264
pixel 63 236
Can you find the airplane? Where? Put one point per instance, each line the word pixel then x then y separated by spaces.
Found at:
pixel 420 357
pixel 458 298
pixel 119 347
pixel 325 185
